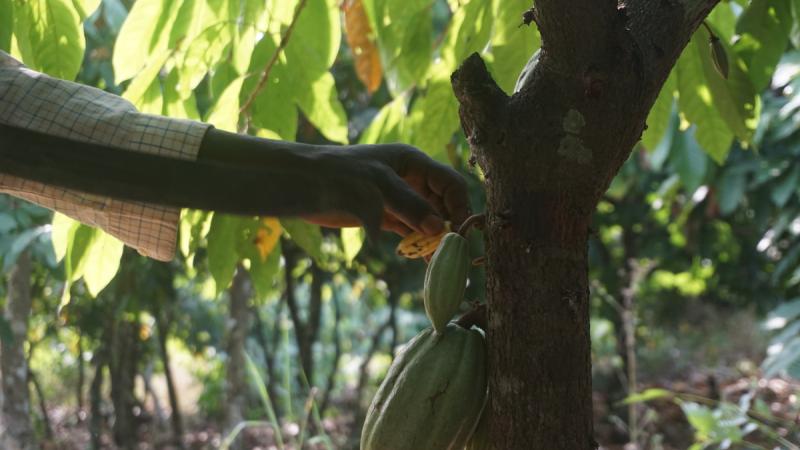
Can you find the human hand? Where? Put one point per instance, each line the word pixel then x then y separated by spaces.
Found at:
pixel 398 183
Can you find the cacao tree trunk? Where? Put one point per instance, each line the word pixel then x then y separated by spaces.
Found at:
pixel 548 152
pixel 16 430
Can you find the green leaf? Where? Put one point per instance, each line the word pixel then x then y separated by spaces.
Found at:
pixel 50 36
pixel 225 113
pixel 511 46
pixel 697 104
pixel 274 107
pixel 62 228
pixel 262 273
pixel 85 8
pixel 320 103
pixel 787 311
pixel 658 119
pixel 795 33
pixel 723 19
pixel 101 261
pixel 403 32
pixel 730 190
pixel 223 241
pixel 469 31
pixel 763 29
pixel 736 99
pixel 206 39
pixel 783 359
pixel 6 24
pixel 80 239
pixel 306 236
pixel 700 417
pixel 352 240
pixel 175 105
pixel 689 161
pixel 319 34
pixel 786 187
pixel 387 125
pixel 21 242
pixel 145 80
pixel 145 33
pixel 252 19
pixel 434 117
pixel 647 395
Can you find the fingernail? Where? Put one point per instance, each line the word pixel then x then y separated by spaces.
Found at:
pixel 432 224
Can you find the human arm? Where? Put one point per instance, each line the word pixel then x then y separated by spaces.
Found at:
pixel 89 154
pixel 394 186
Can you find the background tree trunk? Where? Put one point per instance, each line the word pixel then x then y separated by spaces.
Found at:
pixel 176 419
pixel 16 430
pixel 123 367
pixel 548 152
pixel 236 334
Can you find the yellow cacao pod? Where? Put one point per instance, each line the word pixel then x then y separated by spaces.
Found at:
pixel 446 280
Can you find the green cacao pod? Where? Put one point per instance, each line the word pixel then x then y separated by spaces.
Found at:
pixel 446 280
pixel 432 396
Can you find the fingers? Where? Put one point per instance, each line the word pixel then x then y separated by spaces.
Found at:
pixel 391 223
pixel 409 207
pixel 447 190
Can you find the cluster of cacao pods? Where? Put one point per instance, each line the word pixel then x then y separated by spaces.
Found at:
pixel 434 393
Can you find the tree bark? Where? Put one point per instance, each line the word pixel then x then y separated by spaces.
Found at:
pixel 269 356
pixel 16 430
pixel 236 334
pixel 176 418
pixel 95 399
pixel 48 426
pixel 548 152
pixel 123 367
pixel 81 377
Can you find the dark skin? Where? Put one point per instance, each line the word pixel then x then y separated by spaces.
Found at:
pixel 395 187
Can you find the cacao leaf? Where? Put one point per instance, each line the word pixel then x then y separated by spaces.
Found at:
pixel 268 234
pixel 359 37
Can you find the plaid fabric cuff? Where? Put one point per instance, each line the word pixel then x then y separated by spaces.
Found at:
pixel 34 101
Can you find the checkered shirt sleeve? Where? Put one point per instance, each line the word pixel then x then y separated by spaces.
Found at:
pixel 61 108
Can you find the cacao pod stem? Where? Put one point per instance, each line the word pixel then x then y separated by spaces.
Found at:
pixel 476 220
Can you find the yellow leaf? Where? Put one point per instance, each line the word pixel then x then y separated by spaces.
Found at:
pixel 267 236
pixel 359 38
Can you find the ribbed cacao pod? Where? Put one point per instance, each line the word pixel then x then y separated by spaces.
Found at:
pixel 432 396
pixel 446 280
pixel 480 438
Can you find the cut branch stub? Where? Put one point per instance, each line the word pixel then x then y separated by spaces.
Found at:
pixel 482 103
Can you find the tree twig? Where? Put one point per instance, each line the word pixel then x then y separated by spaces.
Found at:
pixel 262 81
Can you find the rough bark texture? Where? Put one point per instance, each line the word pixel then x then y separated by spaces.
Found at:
pixel 548 152
pixel 16 430
pixel 236 334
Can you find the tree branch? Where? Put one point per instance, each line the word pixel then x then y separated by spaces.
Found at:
pixel 482 102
